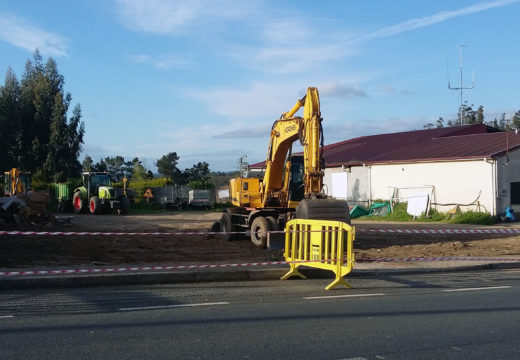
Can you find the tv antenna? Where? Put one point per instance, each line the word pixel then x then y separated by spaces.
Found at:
pixel 461 87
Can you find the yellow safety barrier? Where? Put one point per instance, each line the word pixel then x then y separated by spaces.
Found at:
pixel 319 244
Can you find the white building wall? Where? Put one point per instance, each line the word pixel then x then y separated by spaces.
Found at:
pixel 457 182
pixel 358 184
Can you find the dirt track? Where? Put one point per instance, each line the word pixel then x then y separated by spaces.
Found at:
pixel 30 251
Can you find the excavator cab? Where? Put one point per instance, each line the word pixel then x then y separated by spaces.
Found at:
pixel 296 186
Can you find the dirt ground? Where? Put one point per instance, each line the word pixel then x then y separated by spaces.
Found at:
pixel 24 251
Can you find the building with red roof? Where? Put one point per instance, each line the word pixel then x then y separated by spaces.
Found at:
pixel 474 167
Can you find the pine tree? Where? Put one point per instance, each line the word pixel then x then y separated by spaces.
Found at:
pixel 480 115
pixel 167 164
pixel 9 121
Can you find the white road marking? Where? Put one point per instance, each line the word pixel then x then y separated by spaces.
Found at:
pixel 479 288
pixel 6 316
pixel 341 296
pixel 172 306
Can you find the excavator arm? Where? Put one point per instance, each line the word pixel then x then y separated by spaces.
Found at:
pixel 284 133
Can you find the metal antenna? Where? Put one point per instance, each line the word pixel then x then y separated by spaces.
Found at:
pixel 461 88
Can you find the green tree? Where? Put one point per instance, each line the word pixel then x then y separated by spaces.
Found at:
pixel 479 119
pixel 198 172
pixel 138 170
pixel 100 166
pixel 440 122
pixel 9 121
pixel 516 120
pixel 167 165
pixel 116 166
pixel 41 140
pixel 468 115
pixel 88 163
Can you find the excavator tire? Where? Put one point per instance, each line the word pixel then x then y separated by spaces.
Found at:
pixel 225 226
pixel 323 209
pixel 259 229
pixel 275 227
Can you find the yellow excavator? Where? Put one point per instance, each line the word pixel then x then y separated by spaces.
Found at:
pixel 17 182
pixel 292 185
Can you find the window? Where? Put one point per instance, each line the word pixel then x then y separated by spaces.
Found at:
pixel 515 193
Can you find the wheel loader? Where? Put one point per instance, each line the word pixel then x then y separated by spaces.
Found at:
pixel 97 196
pixel 292 186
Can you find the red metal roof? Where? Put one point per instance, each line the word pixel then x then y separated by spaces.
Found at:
pixel 449 143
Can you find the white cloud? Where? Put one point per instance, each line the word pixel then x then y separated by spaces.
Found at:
pixel 260 101
pixel 441 16
pixel 167 62
pixel 19 33
pixel 335 89
pixel 171 17
pixel 298 45
pixel 388 89
pixel 290 46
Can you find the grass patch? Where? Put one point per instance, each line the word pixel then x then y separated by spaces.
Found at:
pixel 474 217
pixel 399 214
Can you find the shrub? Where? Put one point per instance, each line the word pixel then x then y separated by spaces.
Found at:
pixel 141 186
pixel 474 217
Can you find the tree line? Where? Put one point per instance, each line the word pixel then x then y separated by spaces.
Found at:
pixel 36 132
pixel 468 116
pixel 198 176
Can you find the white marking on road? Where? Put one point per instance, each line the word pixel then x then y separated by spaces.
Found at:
pixel 172 306
pixel 479 288
pixel 341 296
pixel 6 316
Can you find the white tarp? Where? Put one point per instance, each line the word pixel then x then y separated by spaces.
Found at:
pixel 339 185
pixel 417 204
pixel 223 194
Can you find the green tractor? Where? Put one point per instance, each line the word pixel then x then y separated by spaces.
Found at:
pixel 98 196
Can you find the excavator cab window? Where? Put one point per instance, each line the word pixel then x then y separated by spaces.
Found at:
pixel 296 190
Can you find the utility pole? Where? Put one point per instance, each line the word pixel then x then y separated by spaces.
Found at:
pixel 461 87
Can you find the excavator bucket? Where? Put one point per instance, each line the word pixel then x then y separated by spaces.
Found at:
pixel 323 209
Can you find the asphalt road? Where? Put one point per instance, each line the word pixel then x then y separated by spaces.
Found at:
pixel 460 315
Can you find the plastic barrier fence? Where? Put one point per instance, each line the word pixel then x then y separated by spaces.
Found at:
pixel 320 244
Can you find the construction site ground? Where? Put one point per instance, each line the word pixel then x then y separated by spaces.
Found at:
pixel 30 251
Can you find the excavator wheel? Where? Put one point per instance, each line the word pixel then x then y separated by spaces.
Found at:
pixel 225 226
pixel 323 209
pixel 279 237
pixel 259 229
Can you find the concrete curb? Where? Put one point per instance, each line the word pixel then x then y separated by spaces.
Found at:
pixel 213 275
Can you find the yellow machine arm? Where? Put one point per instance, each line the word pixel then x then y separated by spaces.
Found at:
pixel 17 182
pixel 284 133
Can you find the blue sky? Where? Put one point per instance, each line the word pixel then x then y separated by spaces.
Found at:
pixel 207 78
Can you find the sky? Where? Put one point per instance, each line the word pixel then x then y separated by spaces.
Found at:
pixel 207 78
